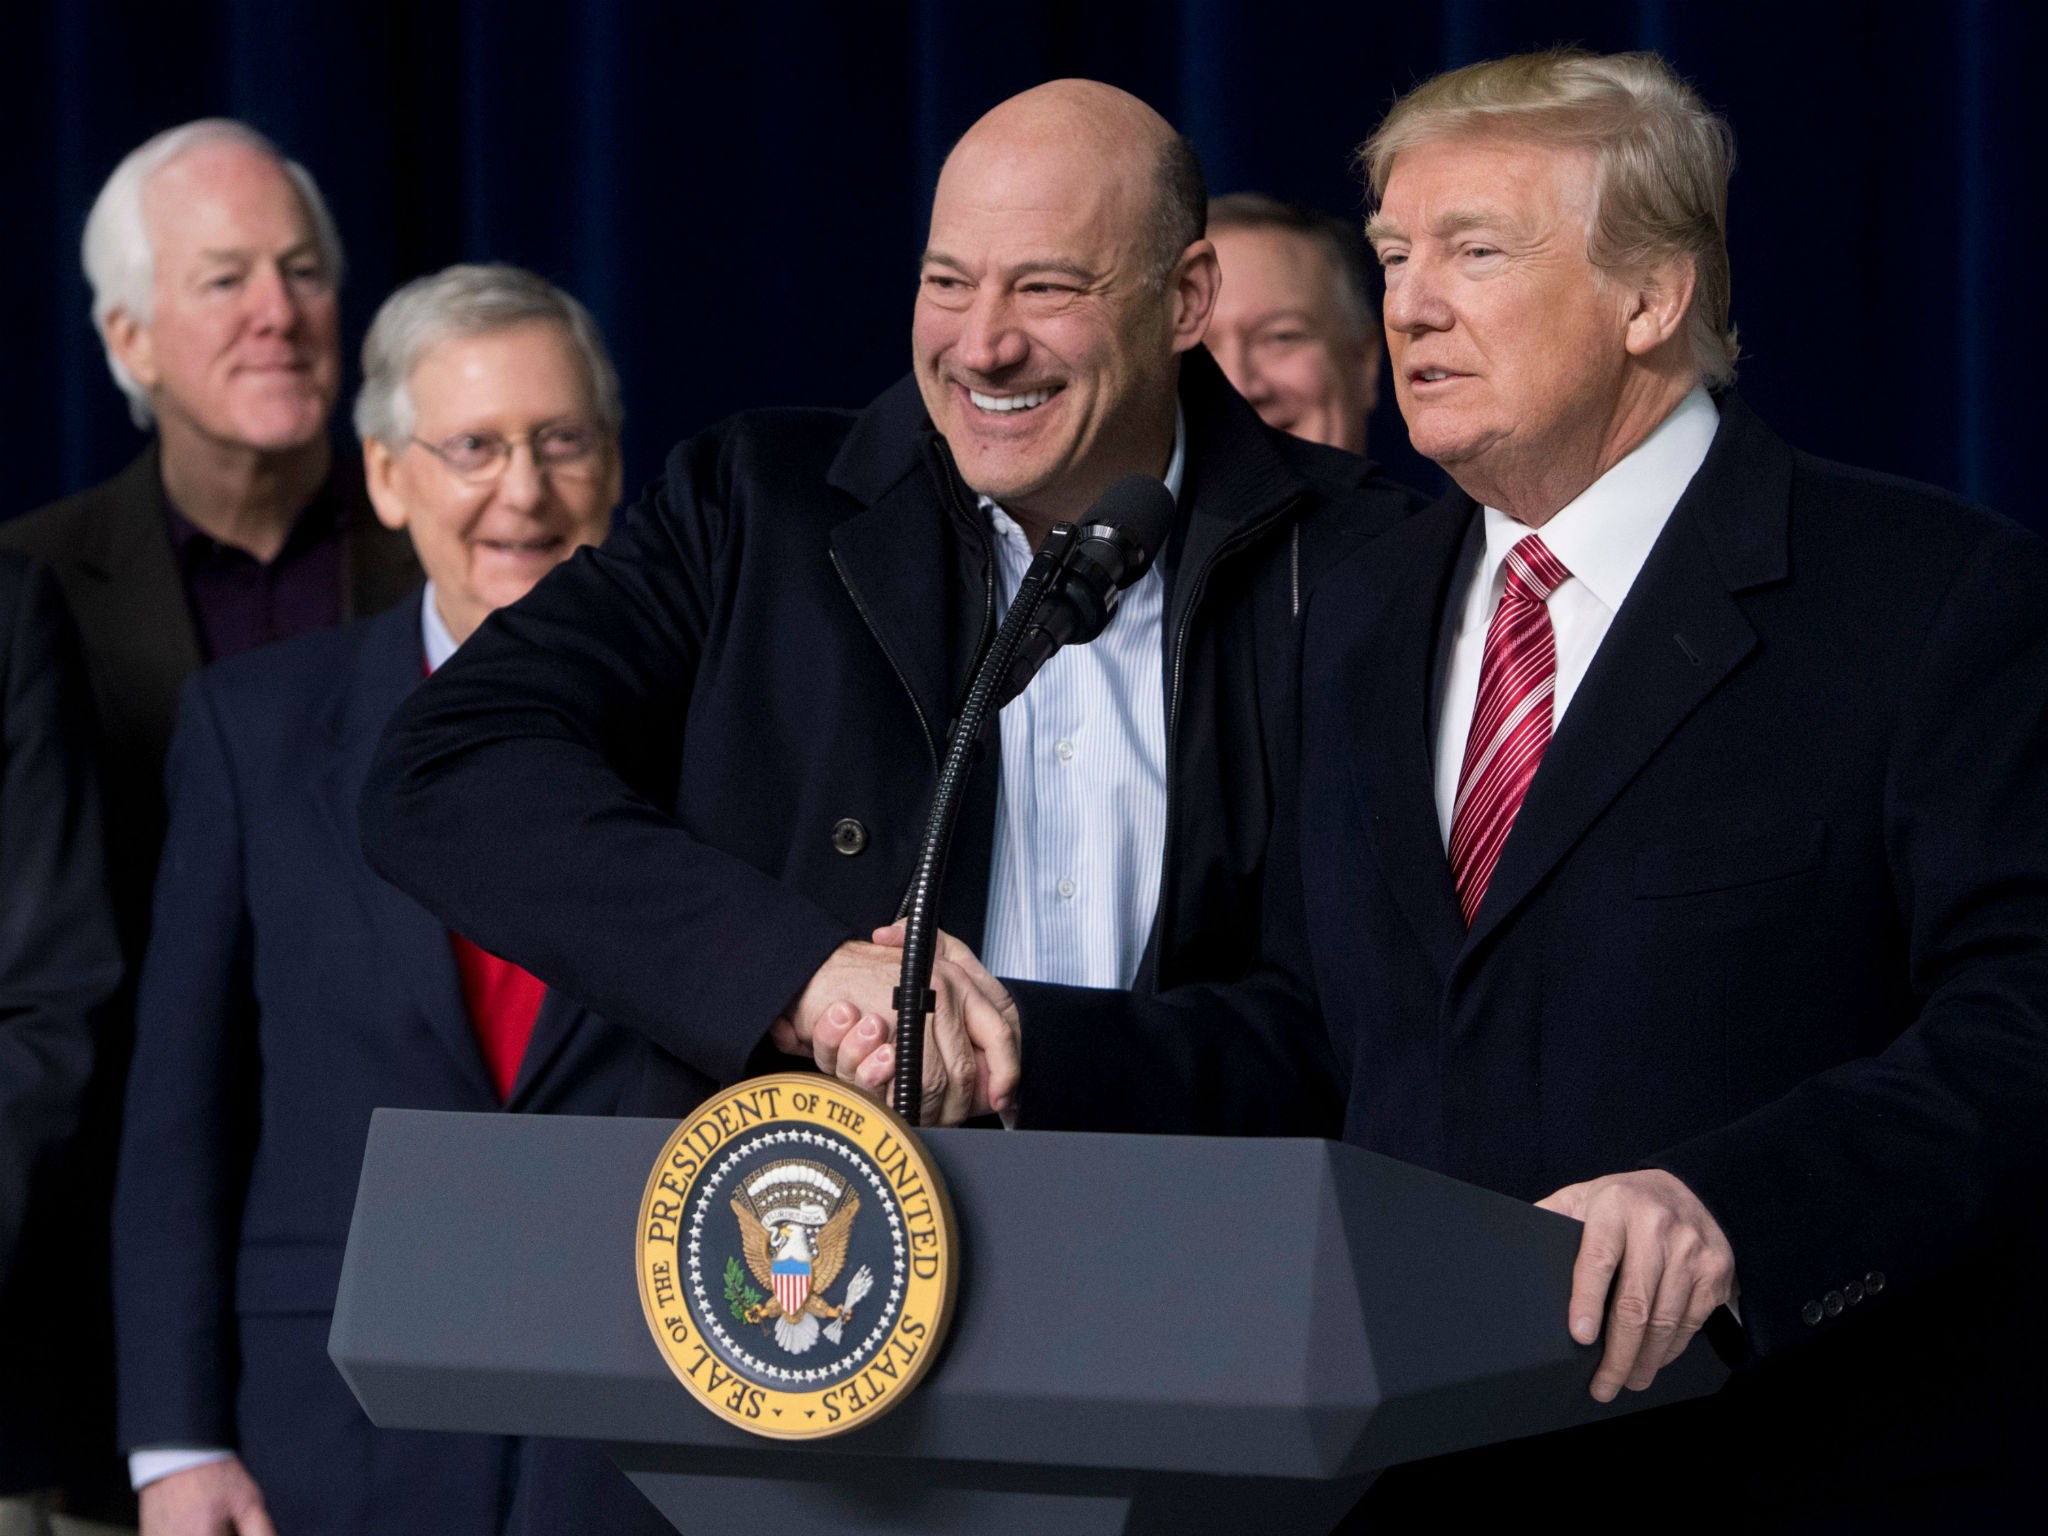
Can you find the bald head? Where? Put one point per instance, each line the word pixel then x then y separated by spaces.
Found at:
pixel 1116 147
pixel 1065 276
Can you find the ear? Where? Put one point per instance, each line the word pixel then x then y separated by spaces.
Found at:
pixel 1370 354
pixel 380 476
pixel 1193 285
pixel 133 346
pixel 1660 302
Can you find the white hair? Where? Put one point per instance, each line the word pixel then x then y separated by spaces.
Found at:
pixel 468 300
pixel 120 263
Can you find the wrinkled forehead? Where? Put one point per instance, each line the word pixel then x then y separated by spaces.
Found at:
pixel 1446 185
pixel 223 196
pixel 1063 197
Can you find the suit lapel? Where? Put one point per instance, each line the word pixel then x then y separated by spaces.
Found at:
pixel 553 1028
pixel 892 558
pixel 1678 636
pixel 139 598
pixel 1390 681
pixel 413 942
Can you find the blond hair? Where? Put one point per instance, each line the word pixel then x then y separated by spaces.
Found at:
pixel 1661 162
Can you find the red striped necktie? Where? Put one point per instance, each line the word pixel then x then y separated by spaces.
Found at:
pixel 1510 719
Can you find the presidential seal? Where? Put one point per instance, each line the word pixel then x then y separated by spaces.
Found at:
pixel 796 1257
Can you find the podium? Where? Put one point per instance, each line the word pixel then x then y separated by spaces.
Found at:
pixel 1152 1333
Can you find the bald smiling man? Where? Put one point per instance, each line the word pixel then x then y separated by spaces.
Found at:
pixel 684 781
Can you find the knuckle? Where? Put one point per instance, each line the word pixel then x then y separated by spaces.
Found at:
pixel 1631 1311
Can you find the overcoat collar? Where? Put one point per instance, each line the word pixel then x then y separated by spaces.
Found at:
pixel 896 467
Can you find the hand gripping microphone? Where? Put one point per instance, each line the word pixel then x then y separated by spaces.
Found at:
pixel 1096 559
pixel 1066 597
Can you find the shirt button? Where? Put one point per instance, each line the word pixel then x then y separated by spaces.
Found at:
pixel 1833 1303
pixel 1873 1283
pixel 849 836
pixel 1066 751
pixel 1066 890
pixel 1852 1292
pixel 1811 1314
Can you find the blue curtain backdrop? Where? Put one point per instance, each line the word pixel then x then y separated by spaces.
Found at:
pixel 739 191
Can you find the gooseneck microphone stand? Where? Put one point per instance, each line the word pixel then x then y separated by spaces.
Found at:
pixel 915 1001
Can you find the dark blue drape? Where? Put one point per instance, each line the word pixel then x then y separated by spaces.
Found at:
pixel 739 191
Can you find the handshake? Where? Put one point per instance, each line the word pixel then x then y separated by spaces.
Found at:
pixel 845 1021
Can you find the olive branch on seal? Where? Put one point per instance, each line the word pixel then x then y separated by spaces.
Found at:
pixel 739 1295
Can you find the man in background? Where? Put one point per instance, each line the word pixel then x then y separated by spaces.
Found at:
pixel 1296 327
pixel 214 269
pixel 214 266
pixel 60 967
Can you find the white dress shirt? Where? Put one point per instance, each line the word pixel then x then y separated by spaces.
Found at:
pixel 145 1467
pixel 1603 537
pixel 1081 815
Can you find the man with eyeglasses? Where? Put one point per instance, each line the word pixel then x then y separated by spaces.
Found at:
pixel 214 268
pixel 289 992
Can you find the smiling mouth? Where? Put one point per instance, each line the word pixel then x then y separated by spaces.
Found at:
pixel 1432 375
pixel 538 546
pixel 1010 405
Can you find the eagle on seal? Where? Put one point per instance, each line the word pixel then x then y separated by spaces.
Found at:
pixel 794 1262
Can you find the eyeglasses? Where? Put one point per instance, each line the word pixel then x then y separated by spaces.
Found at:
pixel 480 457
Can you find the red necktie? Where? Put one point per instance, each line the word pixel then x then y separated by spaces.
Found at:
pixel 503 1002
pixel 1510 719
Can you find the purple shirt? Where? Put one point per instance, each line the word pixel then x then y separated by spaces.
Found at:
pixel 238 602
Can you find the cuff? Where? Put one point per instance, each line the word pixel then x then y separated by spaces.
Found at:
pixel 146 1467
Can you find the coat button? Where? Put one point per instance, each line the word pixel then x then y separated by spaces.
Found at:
pixel 849 836
pixel 1833 1302
pixel 1853 1292
pixel 1811 1314
pixel 1873 1283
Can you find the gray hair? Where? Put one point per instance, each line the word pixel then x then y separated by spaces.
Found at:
pixel 1342 246
pixel 468 300
pixel 1180 207
pixel 1661 162
pixel 120 262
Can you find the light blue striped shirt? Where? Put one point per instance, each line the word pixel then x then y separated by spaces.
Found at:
pixel 1081 818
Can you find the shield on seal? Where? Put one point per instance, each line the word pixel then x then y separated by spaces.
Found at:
pixel 792 1285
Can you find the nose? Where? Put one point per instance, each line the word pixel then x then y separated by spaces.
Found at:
pixel 990 339
pixel 1416 301
pixel 521 485
pixel 269 295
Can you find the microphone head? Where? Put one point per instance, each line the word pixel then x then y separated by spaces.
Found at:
pixel 1141 510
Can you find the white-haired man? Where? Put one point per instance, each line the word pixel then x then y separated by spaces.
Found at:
pixel 213 266
pixel 1674 807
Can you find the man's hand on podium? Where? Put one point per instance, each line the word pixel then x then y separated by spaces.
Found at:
pixel 1664 1256
pixel 216 1498
pixel 846 1022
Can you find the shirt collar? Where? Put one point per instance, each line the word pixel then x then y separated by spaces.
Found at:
pixel 440 645
pixel 1604 535
pixel 1176 472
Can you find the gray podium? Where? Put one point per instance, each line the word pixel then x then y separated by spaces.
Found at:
pixel 1153 1333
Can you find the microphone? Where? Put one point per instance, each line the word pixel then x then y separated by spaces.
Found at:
pixel 1109 549
pixel 1066 597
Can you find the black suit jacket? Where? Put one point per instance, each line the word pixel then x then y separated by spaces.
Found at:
pixel 288 993
pixel 1773 916
pixel 630 780
pixel 111 550
pixel 60 968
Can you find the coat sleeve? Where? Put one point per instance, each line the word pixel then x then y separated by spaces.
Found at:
pixel 523 794
pixel 60 963
pixel 1902 1162
pixel 192 1112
